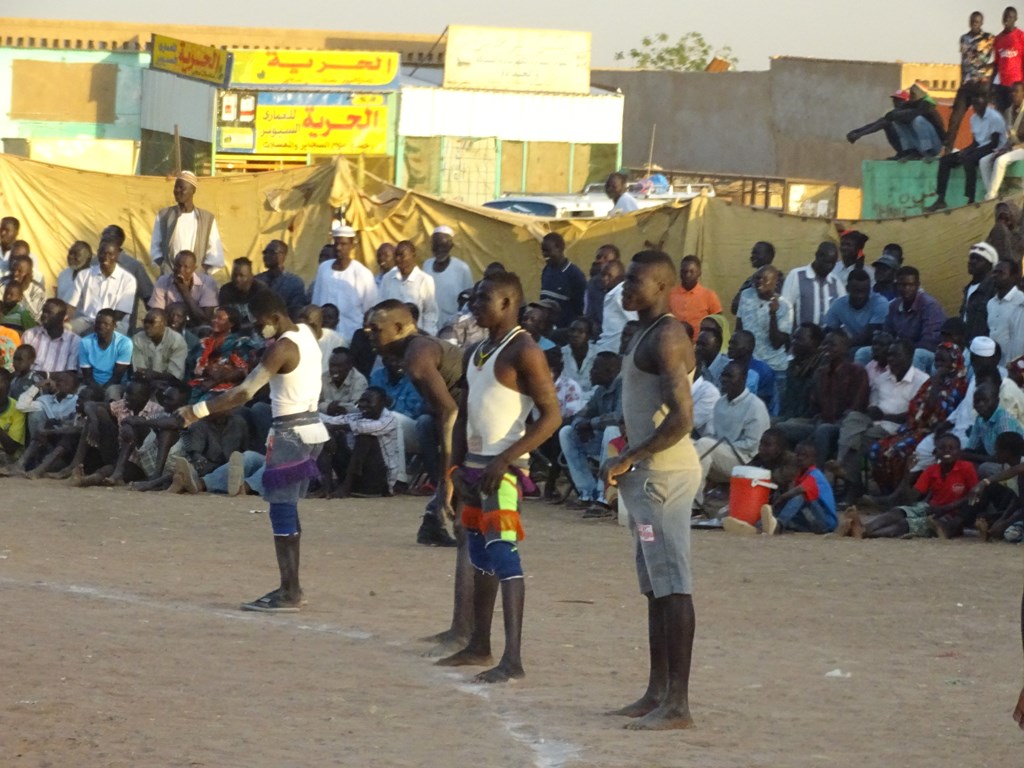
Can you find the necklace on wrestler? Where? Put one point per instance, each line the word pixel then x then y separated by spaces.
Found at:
pixel 482 357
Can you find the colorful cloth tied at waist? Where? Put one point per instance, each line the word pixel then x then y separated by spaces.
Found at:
pixel 289 452
pixel 497 515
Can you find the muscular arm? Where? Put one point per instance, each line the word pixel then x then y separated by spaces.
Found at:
pixel 421 361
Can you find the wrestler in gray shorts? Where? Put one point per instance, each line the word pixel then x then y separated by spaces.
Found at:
pixel 659 505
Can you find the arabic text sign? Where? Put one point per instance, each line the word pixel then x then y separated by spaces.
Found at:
pixel 264 69
pixel 199 62
pixel 320 130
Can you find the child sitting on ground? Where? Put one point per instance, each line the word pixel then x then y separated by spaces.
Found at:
pixel 940 491
pixel 809 506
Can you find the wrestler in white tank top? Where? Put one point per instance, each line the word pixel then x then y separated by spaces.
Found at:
pixel 298 391
pixel 496 416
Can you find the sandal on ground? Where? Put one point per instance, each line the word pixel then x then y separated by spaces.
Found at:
pixel 271 603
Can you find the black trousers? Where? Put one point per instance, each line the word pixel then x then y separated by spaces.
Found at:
pixel 969 159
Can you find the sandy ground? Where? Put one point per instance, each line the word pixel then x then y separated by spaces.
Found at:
pixel 121 645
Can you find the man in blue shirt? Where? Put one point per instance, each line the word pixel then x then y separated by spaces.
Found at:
pixel 860 313
pixel 916 317
pixel 105 354
pixel 561 281
pixel 287 285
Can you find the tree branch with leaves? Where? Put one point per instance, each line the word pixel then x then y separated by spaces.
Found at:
pixel 690 53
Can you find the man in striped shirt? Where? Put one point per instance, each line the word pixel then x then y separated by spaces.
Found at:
pixel 812 289
pixel 56 348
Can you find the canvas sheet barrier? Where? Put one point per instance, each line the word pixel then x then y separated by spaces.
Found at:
pixel 58 206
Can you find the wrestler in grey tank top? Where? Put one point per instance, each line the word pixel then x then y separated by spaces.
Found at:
pixel 643 409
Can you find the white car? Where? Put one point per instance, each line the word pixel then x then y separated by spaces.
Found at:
pixel 592 202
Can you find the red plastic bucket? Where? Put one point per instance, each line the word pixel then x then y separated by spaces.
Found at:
pixel 749 490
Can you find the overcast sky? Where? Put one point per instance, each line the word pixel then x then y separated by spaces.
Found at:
pixel 881 30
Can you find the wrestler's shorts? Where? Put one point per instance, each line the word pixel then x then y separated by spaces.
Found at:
pixel 659 505
pixel 492 525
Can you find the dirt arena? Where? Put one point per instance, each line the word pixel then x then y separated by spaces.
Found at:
pixel 122 645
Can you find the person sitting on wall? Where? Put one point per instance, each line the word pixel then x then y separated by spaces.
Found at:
pixel 913 128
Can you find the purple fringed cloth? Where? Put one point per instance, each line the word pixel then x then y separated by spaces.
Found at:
pixel 291 456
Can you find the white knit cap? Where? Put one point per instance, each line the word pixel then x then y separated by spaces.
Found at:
pixel 341 229
pixel 444 229
pixel 983 346
pixel 986 251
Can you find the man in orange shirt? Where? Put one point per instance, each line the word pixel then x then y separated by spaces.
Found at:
pixel 690 301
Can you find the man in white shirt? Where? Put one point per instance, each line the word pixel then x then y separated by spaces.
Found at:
pixel 614 317
pixel 328 340
pixel 812 289
pixel 892 389
pixel 451 275
pixel 345 282
pixel 183 227
pixel 79 258
pixel 103 286
pixel 993 166
pixel 1006 310
pixel 988 129
pixel 410 284
pixel 615 188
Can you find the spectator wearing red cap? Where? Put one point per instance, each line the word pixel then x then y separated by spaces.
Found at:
pixel 914 127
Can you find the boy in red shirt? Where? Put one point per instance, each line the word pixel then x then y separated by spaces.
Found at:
pixel 1009 59
pixel 941 490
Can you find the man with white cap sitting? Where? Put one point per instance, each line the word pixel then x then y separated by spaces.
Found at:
pixel 183 227
pixel 345 283
pixel 974 308
pixel 451 275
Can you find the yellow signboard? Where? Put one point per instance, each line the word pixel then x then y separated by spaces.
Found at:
pixel 260 69
pixel 199 62
pixel 321 130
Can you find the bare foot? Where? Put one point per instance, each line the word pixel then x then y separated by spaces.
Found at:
pixel 114 480
pixel 77 477
pixel 501 674
pixel 445 648
pixel 982 527
pixel 467 657
pixel 663 718
pixel 645 704
pixel 62 474
pixel 856 523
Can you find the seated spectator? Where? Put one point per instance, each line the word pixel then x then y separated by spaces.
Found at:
pixel 102 286
pixel 740 419
pixel 32 293
pixel 135 268
pixel 240 290
pixel 761 255
pixel 158 352
pixel 741 349
pixel 21 249
pixel 916 317
pixel 710 360
pixel 211 442
pixel 851 255
pixel 363 450
pixel 583 440
pixel 12 423
pixel 13 312
pixel 177 319
pixel 104 355
pixel 363 353
pixel 974 307
pixel 808 506
pixel 418 427
pixel 690 301
pixel 992 420
pixel 859 314
pixel 56 348
pixel 225 356
pixel 343 384
pixel 536 321
pixel 936 499
pixel 330 317
pixel 880 344
pixel 242 475
pixel 407 283
pixel 328 340
pixel 914 128
pixel 613 316
pixel 807 357
pixel 885 267
pixel 840 387
pixel 994 507
pixel 705 395
pixel 769 317
pixel 185 285
pixel 22 362
pixel 774 455
pixel 812 289
pixel 988 132
pixel 1005 310
pixel 10 340
pixel 891 457
pixel 48 406
pixel 570 402
pixel 79 258
pixel 287 285
pixel 1007 235
pixel 578 355
pixel 891 391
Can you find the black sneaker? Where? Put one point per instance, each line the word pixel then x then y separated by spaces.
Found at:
pixel 433 534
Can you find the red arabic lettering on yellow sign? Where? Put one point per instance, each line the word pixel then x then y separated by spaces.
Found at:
pixel 180 57
pixel 368 68
pixel 321 130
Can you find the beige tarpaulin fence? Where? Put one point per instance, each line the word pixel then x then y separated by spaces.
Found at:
pixel 58 206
